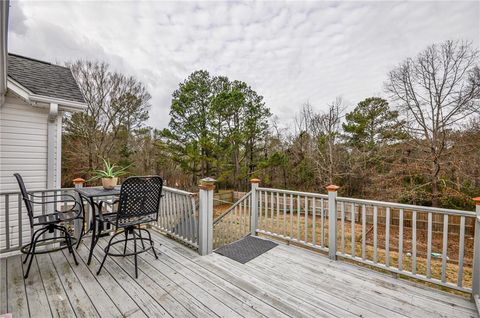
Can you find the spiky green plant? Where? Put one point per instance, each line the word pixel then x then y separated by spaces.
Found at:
pixel 110 171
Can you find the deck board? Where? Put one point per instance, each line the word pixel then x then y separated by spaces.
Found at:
pixel 284 282
pixel 37 297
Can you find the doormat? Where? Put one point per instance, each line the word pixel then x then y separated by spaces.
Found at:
pixel 246 249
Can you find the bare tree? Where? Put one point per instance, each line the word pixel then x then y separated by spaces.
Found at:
pixel 436 91
pixel 116 104
pixel 325 128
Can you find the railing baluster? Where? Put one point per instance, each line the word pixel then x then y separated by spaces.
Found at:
pixel 352 219
pixel 461 249
pixel 260 219
pixel 20 221
pixel 298 218
pixel 245 218
pixel 445 247
pixel 322 223
pixel 187 218
pixel 306 219
pixel 342 224
pixel 237 223
pixel 266 212
pixel 429 245
pixel 284 215
pixel 242 216
pixel 7 221
pixel 291 216
pixel 414 242
pixel 400 242
pixel 172 214
pixel 272 208
pixel 195 223
pixel 387 237
pixel 375 245
pixel 167 211
pixel 364 231
pixel 181 216
pixel 314 222
pixel 278 214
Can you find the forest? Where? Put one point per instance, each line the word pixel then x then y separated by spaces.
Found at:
pixel 416 143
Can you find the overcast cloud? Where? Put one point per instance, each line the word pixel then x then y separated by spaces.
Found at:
pixel 289 52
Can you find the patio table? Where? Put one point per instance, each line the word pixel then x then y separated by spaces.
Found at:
pixel 90 195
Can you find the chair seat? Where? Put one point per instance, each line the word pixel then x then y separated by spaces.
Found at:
pixel 125 222
pixel 53 218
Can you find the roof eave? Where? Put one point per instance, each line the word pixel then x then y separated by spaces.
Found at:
pixel 32 98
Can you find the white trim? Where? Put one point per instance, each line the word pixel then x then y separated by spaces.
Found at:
pixel 32 98
pixel 51 147
pixel 4 8
pixel 58 159
pixel 18 89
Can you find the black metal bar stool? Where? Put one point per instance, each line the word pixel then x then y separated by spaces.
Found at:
pixel 138 204
pixel 48 223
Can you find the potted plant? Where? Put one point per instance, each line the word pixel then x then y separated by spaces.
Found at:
pixel 109 175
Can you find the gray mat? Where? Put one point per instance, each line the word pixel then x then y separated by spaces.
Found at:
pixel 246 249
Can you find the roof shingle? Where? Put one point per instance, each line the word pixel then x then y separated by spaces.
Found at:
pixel 43 78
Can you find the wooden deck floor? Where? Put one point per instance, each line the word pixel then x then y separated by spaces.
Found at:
pixel 284 282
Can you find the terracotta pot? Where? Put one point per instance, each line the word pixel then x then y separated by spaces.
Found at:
pixel 109 183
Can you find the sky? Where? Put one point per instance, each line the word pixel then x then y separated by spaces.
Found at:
pixel 289 52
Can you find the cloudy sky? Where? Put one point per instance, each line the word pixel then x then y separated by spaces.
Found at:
pixel 289 52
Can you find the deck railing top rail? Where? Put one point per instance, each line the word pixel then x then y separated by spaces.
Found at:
pixel 418 208
pixel 300 193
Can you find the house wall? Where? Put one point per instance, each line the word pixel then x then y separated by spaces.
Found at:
pixel 24 139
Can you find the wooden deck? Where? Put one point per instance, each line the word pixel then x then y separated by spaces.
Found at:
pixel 284 282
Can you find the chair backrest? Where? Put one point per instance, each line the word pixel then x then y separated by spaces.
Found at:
pixel 139 196
pixel 25 197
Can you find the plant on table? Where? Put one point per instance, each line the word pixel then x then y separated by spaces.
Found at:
pixel 110 174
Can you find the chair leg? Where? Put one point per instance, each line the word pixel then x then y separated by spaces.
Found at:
pixel 107 249
pixel 34 244
pixel 135 252
pixel 68 240
pixel 82 233
pixel 126 241
pixel 141 239
pixel 31 245
pixel 151 244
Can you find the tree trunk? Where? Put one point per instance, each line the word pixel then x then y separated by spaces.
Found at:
pixel 434 181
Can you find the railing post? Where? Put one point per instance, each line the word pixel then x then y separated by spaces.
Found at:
pixel 332 221
pixel 254 206
pixel 476 252
pixel 77 224
pixel 205 222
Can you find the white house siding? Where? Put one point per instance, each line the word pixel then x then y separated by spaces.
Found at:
pixel 23 149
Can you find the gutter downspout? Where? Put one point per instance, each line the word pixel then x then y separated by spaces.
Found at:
pixel 52 180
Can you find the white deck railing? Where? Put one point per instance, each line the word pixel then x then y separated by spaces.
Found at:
pixel 14 224
pixel 439 246
pixel 178 216
pixel 425 243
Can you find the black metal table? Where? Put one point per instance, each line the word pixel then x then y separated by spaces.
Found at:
pixel 90 194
